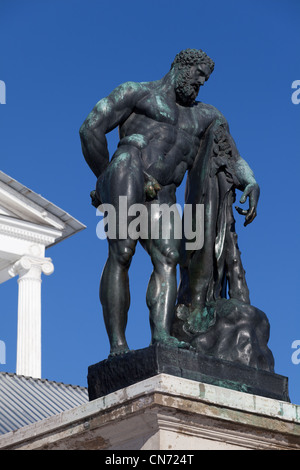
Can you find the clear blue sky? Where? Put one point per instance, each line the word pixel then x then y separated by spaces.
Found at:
pixel 58 58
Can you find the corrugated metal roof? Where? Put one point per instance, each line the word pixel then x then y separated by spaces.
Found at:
pixel 25 400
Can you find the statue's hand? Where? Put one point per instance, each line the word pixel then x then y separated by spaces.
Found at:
pixel 94 199
pixel 151 189
pixel 151 186
pixel 252 191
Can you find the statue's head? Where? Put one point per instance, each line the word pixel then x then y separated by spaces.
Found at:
pixel 192 68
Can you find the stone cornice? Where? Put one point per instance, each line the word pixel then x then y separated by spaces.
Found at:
pixel 166 413
pixel 28 231
pixel 19 202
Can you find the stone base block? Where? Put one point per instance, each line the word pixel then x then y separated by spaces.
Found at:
pixel 165 414
pixel 121 371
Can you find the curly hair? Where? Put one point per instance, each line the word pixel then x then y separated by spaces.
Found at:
pixel 190 57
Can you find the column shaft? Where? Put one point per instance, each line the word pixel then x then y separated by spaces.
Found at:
pixel 29 341
pixel 29 324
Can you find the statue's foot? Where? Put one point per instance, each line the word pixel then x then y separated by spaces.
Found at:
pixel 171 341
pixel 118 351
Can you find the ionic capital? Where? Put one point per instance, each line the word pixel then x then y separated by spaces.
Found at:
pixel 31 264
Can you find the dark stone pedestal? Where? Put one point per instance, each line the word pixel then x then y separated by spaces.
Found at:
pixel 121 371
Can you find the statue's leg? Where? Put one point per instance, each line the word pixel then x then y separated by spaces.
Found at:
pixel 123 177
pixel 162 289
pixel 114 293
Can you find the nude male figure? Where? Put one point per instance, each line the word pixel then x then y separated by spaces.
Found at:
pixel 160 127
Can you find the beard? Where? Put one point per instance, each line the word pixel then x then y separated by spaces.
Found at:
pixel 186 93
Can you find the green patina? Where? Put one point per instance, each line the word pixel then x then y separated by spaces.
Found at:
pixel 225 383
pixel 243 172
pixel 118 160
pixel 124 89
pixel 136 139
pixel 201 320
pixel 163 108
pixel 103 106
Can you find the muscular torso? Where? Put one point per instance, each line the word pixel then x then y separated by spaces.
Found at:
pixel 167 134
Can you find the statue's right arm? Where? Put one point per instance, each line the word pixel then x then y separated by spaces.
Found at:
pixel 106 116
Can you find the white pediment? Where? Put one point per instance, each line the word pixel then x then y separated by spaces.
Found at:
pixel 20 203
pixel 5 211
pixel 15 204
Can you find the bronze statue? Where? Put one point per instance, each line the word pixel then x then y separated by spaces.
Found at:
pixel 164 133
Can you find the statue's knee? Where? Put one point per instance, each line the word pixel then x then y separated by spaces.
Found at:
pixel 124 255
pixel 172 257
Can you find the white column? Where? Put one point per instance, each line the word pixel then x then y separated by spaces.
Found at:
pixel 29 344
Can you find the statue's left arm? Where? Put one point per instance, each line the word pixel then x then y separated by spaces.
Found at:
pixel 244 176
